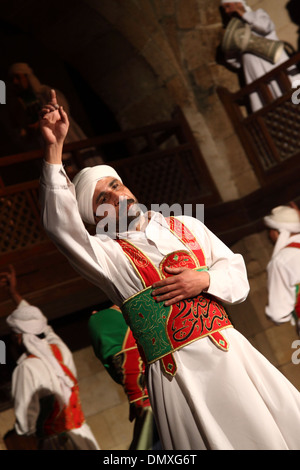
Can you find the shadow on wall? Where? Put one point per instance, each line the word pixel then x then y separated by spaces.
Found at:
pixel 294 12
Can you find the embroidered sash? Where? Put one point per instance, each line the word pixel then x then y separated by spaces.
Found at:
pixel 161 330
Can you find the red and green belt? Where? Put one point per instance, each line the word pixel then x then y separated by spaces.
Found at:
pixel 160 330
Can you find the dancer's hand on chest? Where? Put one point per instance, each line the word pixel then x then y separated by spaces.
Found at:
pixel 183 284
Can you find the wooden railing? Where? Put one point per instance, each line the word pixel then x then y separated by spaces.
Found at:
pixel 163 157
pixel 270 136
pixel 19 217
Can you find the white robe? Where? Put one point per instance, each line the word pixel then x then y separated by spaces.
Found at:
pixel 283 276
pixel 32 381
pixel 217 400
pixel 254 66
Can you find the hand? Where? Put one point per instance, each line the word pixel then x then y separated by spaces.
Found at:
pixel 185 283
pixel 54 122
pixel 240 10
pixel 231 8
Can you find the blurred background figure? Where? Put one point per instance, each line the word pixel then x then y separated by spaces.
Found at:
pixel 31 95
pixel 44 384
pixel 284 267
pixel 115 347
pixel 254 66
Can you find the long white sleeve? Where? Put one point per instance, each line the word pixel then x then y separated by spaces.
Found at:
pixel 227 270
pixel 25 387
pixel 62 221
pixel 64 226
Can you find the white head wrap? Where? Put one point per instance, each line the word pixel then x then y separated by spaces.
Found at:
pixel 22 68
pixel 30 321
pixel 85 182
pixel 286 220
pixel 237 1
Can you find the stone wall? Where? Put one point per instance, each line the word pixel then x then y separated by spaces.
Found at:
pixel 174 62
pixel 178 41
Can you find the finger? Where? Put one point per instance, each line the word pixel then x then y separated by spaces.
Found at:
pixel 164 282
pixel 164 290
pixel 176 294
pixel 171 269
pixel 174 300
pixel 63 115
pixel 53 98
pixel 49 107
pixel 170 299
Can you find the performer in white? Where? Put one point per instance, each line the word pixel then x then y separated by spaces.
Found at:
pixel 214 392
pixel 254 66
pixel 44 385
pixel 284 267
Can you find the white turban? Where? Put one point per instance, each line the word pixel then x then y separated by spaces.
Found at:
pixel 27 319
pixel 85 182
pixel 286 220
pixel 237 1
pixel 30 321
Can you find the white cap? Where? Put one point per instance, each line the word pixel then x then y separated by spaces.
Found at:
pixel 286 220
pixel 85 182
pixel 237 1
pixel 283 218
pixel 29 321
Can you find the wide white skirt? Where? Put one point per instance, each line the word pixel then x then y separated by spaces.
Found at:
pixel 235 400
